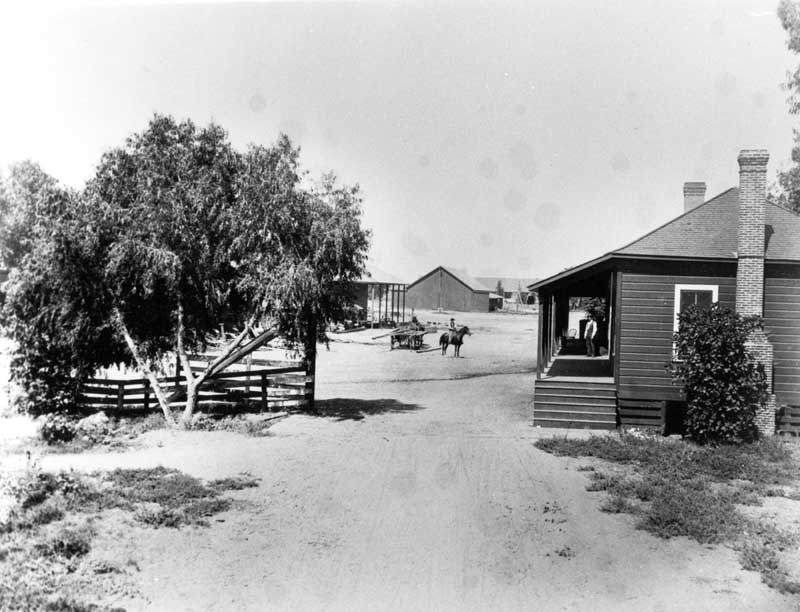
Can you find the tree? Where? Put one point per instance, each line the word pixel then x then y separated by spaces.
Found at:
pixel 723 385
pixel 53 308
pixel 28 197
pixel 499 289
pixel 786 192
pixel 596 307
pixel 181 232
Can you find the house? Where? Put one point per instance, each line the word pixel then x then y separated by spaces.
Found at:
pixel 448 289
pixel 515 290
pixel 736 249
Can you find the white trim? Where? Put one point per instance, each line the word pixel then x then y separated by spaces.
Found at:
pixel 714 289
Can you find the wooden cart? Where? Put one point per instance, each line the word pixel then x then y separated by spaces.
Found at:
pixel 408 338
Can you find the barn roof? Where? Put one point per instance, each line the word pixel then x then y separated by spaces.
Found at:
pixel 469 281
pixel 709 231
pixel 460 275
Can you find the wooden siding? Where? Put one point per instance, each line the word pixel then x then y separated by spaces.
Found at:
pixel 455 295
pixel 647 312
pixel 782 323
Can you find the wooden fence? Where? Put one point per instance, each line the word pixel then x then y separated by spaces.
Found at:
pixel 268 388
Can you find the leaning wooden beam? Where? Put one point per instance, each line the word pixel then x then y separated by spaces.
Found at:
pixel 255 343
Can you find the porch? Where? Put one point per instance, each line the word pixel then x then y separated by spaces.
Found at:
pixel 576 391
pixel 572 389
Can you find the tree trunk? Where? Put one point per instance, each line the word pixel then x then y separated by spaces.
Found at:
pixel 193 382
pixel 144 369
pixel 192 391
pixel 310 360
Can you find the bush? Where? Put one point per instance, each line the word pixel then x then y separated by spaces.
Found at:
pixel 67 543
pixel 58 427
pixel 722 383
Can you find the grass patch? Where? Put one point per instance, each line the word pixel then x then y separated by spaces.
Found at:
pixel 42 545
pixel 235 483
pixel 66 542
pixel 676 488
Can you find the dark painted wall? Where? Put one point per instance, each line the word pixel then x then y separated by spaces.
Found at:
pixel 647 314
pixel 782 324
pixel 454 294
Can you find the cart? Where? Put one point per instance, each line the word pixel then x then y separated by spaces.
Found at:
pixel 408 338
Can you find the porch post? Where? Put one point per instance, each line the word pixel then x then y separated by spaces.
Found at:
pixel 540 338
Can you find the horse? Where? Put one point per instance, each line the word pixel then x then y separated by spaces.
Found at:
pixel 456 338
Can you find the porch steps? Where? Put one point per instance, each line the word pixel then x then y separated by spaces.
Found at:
pixel 575 404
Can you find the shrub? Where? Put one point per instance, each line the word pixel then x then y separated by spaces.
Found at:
pixel 58 427
pixel 67 542
pixel 723 385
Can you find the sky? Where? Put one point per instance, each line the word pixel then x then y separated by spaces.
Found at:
pixel 512 139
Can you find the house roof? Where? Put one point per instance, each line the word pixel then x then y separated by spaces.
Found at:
pixel 460 275
pixel 709 231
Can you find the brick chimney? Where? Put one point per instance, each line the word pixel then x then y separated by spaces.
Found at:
pixel 750 266
pixel 694 194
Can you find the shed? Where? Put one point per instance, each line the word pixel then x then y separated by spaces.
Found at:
pixel 448 289
pixel 515 289
pixel 380 297
pixel 736 249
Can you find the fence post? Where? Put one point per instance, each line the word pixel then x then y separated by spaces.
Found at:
pixel 264 383
pixel 120 396
pixel 146 396
pixel 309 387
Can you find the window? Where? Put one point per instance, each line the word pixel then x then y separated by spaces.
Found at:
pixel 701 296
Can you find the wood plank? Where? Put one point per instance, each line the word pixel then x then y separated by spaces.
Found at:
pixel 653 359
pixel 655 404
pixel 655 392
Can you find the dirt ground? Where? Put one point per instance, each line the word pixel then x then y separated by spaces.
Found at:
pixel 419 488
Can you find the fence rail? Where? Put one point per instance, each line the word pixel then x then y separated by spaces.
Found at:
pixel 269 388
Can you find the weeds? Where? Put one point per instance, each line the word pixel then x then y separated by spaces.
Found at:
pixel 675 488
pixel 41 545
pixel 235 483
pixel 67 542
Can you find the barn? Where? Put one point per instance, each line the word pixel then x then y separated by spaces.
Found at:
pixel 736 249
pixel 448 289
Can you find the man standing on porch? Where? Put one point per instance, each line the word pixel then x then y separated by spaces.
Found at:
pixel 589 333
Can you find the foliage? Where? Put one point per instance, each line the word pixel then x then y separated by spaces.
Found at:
pixel 596 307
pixel 787 191
pixel 67 542
pixel 722 383
pixel 176 233
pixel 57 427
pixel 54 308
pixel 676 488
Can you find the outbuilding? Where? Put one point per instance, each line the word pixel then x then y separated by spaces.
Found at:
pixel 448 289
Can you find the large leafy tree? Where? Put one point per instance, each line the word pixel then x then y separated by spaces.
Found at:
pixel 182 232
pixel 787 190
pixel 55 308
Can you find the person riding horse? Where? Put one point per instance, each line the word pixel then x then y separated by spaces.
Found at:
pixel 455 337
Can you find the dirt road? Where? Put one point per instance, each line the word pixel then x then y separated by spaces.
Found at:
pixel 412 495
